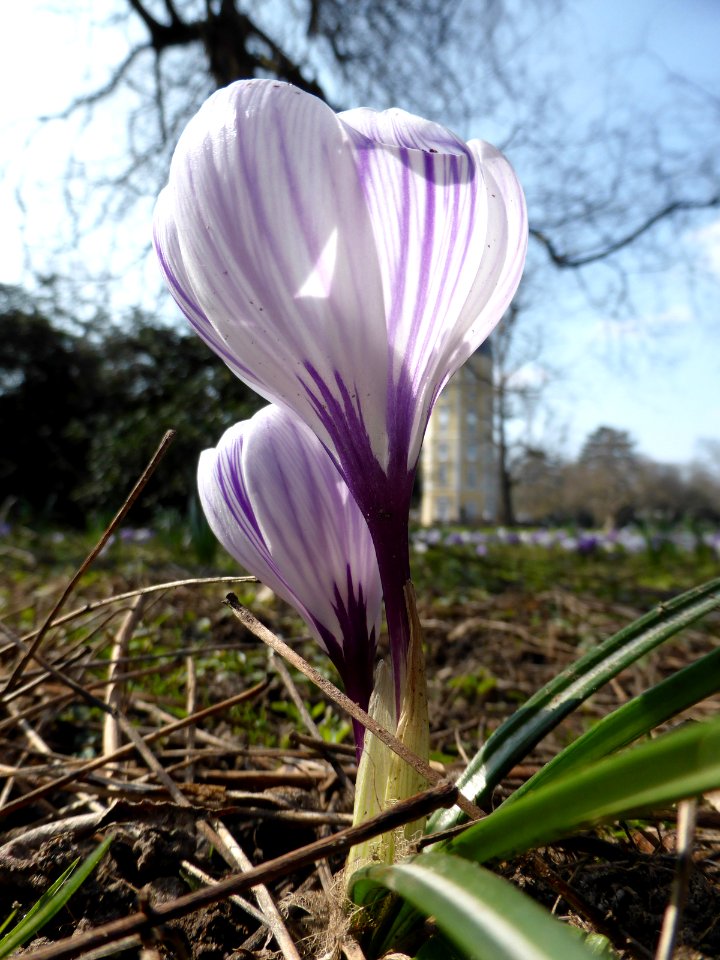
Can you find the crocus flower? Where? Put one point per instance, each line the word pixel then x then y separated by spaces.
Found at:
pixel 345 266
pixel 278 505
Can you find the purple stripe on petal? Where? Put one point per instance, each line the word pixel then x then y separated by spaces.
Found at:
pixel 383 497
pixel 356 658
pixel 344 267
pixel 276 502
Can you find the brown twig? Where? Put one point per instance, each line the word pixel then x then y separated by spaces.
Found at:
pixel 612 930
pixel 444 794
pixel 292 690
pixel 323 870
pixel 252 624
pixel 264 898
pixel 219 837
pixel 107 533
pixel 113 691
pixel 239 901
pixel 678 894
pixel 321 746
pixel 93 605
pixel 190 707
pixel 127 749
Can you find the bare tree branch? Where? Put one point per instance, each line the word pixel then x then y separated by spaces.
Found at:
pixel 573 261
pixel 100 93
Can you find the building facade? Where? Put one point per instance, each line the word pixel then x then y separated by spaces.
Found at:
pixel 458 464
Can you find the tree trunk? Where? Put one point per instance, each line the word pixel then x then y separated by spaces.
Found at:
pixel 506 512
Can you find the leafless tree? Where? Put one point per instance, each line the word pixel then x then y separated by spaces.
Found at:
pixel 600 181
pixel 610 187
pixel 539 487
pixel 605 481
pixel 518 382
pixel 179 51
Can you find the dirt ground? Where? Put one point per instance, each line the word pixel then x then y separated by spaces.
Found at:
pixel 250 782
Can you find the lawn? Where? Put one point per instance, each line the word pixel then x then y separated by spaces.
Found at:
pixel 265 763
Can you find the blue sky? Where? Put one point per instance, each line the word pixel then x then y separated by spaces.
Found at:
pixel 655 372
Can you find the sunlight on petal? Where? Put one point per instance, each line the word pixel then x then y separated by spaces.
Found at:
pixel 276 502
pixel 320 281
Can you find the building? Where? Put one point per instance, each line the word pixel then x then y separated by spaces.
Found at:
pixel 458 464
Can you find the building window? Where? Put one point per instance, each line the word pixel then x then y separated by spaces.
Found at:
pixel 442 451
pixel 443 509
pixel 471 452
pixel 471 420
pixel 442 475
pixel 470 512
pixel 471 477
pixel 443 418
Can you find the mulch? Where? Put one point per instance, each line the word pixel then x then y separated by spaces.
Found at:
pixel 249 779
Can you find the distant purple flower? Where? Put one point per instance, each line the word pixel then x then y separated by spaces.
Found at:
pixel 276 502
pixel 567 542
pixel 344 266
pixel 587 544
pixel 630 540
pixel 136 534
pixel 543 538
pixel 712 540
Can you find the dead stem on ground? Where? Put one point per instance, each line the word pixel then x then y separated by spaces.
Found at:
pixel 212 789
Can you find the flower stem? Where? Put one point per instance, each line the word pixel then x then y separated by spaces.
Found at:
pixel 390 537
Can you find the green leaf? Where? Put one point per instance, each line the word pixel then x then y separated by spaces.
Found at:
pixel 8 920
pixel 683 763
pixel 482 915
pixel 437 948
pixel 513 740
pixel 633 720
pixel 53 900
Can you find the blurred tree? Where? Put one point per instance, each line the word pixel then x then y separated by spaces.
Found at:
pixel 612 181
pixel 620 173
pixel 518 385
pixel 180 51
pixel 155 378
pixel 669 493
pixel 605 480
pixel 49 383
pixel 610 483
pixel 83 413
pixel 703 477
pixel 517 381
pixel 539 488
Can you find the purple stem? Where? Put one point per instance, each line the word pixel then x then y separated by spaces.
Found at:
pixel 389 531
pixel 383 495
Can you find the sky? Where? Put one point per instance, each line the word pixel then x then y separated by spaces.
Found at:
pixel 655 373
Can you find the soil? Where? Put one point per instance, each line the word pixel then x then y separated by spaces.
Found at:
pixel 256 770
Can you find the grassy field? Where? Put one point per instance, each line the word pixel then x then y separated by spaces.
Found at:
pixel 502 614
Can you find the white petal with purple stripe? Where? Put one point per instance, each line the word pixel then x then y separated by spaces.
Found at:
pixel 276 502
pixel 343 265
pixel 264 237
pixel 450 229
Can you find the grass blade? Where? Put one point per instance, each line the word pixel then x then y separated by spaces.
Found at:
pixel 633 719
pixel 482 915
pixel 53 900
pixel 683 763
pixel 544 710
